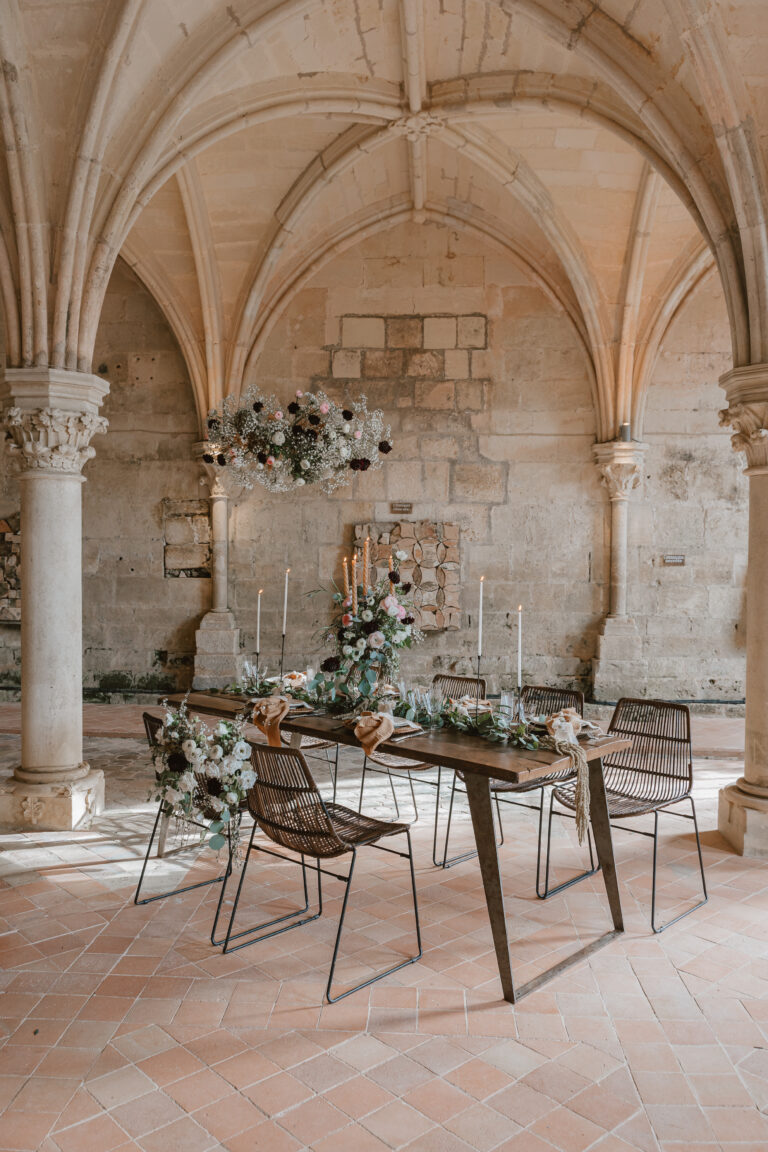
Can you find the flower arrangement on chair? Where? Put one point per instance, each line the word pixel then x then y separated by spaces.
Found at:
pixel 312 440
pixel 202 774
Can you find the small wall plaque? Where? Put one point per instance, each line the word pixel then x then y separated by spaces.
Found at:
pixel 676 560
pixel 401 508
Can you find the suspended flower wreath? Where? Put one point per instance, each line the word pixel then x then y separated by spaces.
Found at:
pixel 311 441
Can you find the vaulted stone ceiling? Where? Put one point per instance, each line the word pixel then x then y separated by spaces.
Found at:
pixel 616 148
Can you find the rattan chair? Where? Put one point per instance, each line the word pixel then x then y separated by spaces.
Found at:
pixel 537 699
pixel 651 776
pixel 385 763
pixel 311 746
pixel 152 725
pixel 286 805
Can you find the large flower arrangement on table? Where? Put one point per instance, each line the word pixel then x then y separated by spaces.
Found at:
pixel 371 625
pixel 202 775
pixel 312 440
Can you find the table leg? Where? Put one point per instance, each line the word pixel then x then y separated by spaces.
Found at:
pixel 481 810
pixel 601 830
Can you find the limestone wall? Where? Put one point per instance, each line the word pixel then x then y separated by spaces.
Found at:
pixel 500 444
pixel 494 435
pixel 139 623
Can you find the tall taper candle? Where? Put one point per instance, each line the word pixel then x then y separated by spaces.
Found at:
pixel 366 555
pixel 480 620
pixel 258 620
pixel 285 601
pixel 354 583
pixel 519 645
pixel 346 577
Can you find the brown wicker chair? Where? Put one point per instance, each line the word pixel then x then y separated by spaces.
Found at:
pixel 537 699
pixel 152 725
pixel 311 746
pixel 450 686
pixel 651 776
pixel 286 804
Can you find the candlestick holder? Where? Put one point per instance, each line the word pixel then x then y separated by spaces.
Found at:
pixel 478 666
pixel 282 658
pixel 258 663
pixel 518 709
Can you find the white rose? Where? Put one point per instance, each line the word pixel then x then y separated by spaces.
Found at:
pixel 172 796
pixel 229 765
pixel 241 750
pixel 347 650
pixel 231 797
pixel 300 480
pixel 248 778
pixel 212 770
pixel 304 464
pixel 186 782
pixel 215 803
pixel 189 747
pixel 216 752
pixel 346 429
pixel 278 438
pixel 367 615
pixel 361 642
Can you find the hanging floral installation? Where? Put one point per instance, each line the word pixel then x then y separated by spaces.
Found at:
pixel 312 440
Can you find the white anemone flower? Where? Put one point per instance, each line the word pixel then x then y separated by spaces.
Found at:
pixel 186 782
pixel 241 750
pixel 216 752
pixel 188 747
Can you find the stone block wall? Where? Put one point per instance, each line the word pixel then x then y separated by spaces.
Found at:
pixel 493 430
pixel 488 393
pixel 10 573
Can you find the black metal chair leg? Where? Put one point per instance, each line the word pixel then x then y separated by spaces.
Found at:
pixel 395 967
pixel 259 928
pixel 174 891
pixel 336 771
pixel 593 868
pixel 700 903
pixel 449 863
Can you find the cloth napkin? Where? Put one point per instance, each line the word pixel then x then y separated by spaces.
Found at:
pixel 267 715
pixel 562 737
pixel 372 729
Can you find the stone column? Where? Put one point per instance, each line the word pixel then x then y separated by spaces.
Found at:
pixel 218 660
pixel 51 418
pixel 743 807
pixel 618 664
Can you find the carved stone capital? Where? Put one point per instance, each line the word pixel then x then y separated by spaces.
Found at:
pixel 220 481
pixel 621 466
pixel 747 413
pixel 52 416
pixel 417 126
pixel 51 440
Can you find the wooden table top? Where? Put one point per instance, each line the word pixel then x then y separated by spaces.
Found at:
pixel 444 746
pixel 459 750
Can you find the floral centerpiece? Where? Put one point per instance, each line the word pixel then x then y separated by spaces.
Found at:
pixel 372 624
pixel 312 440
pixel 202 776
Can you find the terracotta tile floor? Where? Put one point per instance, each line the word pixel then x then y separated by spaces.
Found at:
pixel 122 1028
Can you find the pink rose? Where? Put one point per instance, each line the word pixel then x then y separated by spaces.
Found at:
pixel 401 613
pixel 346 619
pixel 358 434
pixel 270 461
pixel 278 415
pixel 325 408
pixel 347 602
pixel 299 392
pixel 376 640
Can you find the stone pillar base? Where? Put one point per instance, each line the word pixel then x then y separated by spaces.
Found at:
pixel 50 807
pixel 618 668
pixel 742 818
pixel 218 660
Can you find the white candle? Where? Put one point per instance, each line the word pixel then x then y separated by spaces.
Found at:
pixel 480 620
pixel 519 645
pixel 258 621
pixel 285 601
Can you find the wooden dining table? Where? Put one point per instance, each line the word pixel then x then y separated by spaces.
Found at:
pixel 479 762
